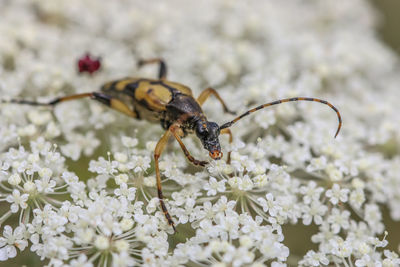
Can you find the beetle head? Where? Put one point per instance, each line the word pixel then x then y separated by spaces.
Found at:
pixel 208 133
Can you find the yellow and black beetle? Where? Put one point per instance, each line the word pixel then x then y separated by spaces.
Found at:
pixel 173 105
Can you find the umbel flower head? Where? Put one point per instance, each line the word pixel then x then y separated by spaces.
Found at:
pixel 78 184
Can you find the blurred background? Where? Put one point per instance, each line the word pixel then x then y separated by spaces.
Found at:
pixel 389 27
pixel 389 31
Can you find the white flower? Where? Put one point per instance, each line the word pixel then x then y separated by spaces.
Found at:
pixel 81 261
pixel 121 157
pixel 17 200
pixel 342 249
pixel 339 219
pixel 311 192
pixel 223 205
pixel 12 240
pixel 357 198
pixel 208 230
pixel 123 259
pixel 72 151
pixel 129 193
pixel 14 179
pixel 212 186
pixel 121 178
pixel 317 164
pixel 219 166
pixel 261 180
pixel 141 163
pixel 102 166
pixel 392 258
pixel 102 242
pixel 126 224
pixel 314 259
pixel 269 204
pixel 373 217
pixel 265 119
pixel 45 185
pixel 188 213
pixel 30 187
pixel 334 173
pixel 315 211
pixel 129 142
pixel 336 193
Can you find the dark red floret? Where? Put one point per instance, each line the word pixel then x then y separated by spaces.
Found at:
pixel 89 64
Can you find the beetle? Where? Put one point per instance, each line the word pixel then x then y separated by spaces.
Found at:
pixel 175 108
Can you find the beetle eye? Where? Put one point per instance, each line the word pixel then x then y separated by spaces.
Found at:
pixel 201 130
pixel 213 128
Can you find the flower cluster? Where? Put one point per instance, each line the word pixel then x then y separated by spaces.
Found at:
pixel 77 182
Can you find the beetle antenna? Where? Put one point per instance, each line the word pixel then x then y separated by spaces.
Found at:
pixel 51 103
pixel 229 124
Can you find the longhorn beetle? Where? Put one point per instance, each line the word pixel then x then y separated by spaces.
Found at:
pixel 173 105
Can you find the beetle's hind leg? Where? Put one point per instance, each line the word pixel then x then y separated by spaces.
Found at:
pixel 211 91
pixel 162 71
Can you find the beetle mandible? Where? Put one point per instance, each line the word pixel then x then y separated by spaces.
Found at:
pixel 174 106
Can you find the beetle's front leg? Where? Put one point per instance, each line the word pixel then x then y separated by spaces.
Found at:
pixel 157 153
pixel 228 132
pixel 175 131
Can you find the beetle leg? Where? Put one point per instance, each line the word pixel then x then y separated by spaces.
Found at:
pixel 228 132
pixel 157 153
pixel 185 151
pixel 162 72
pixel 211 91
